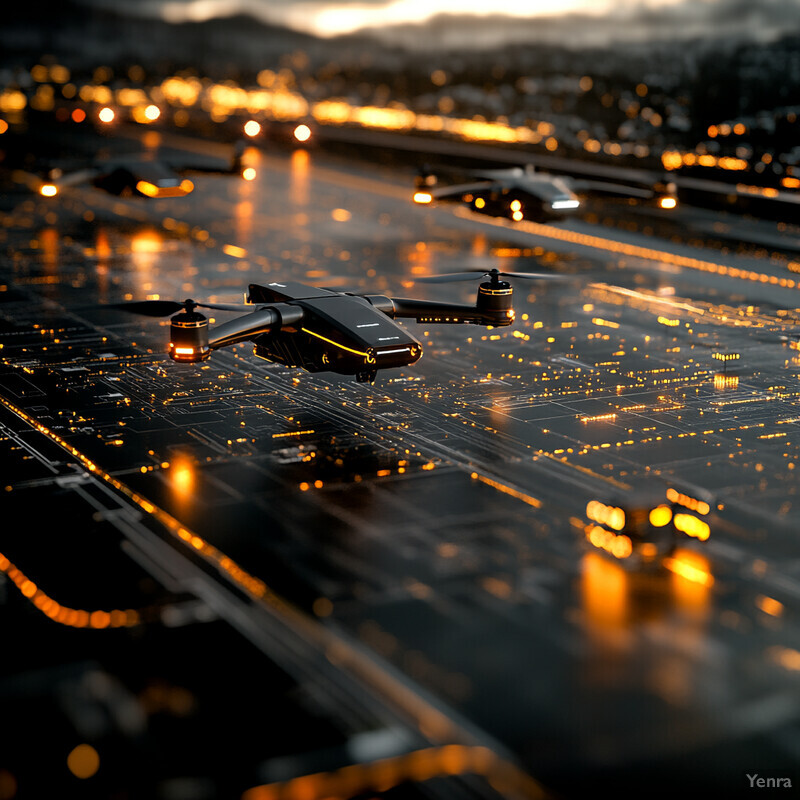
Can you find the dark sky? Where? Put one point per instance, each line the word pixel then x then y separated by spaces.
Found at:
pixel 585 21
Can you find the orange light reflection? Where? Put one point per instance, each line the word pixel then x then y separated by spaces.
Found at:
pixel 299 168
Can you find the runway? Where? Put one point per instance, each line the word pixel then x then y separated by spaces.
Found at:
pixel 417 550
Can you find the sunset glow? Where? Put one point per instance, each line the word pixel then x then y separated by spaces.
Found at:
pixel 333 19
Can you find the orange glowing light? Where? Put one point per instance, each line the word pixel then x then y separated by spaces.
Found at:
pixel 146 241
pixel 692 526
pixel 106 114
pixel 151 190
pixel 690 566
pixel 147 188
pixel 252 128
pixel 618 545
pixel 668 202
pixel 249 174
pixel 83 761
pixel 78 115
pixel 660 516
pixel 152 113
pixel 233 250
pixel 302 133
pixel 181 472
pixel 48 190
pixel 423 198
pixel 689 502
pixel 769 605
pixel 604 589
pixel 611 516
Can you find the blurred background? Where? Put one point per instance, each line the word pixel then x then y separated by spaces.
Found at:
pixel 708 85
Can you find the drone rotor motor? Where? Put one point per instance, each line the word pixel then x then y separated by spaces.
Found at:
pixel 495 299
pixel 188 332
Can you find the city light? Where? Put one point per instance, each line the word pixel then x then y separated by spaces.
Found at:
pixel 302 133
pixel 252 128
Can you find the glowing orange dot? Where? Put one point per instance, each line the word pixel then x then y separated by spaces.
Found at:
pixel 106 114
pixel 99 619
pixel 78 115
pixel 83 761
pixel 252 128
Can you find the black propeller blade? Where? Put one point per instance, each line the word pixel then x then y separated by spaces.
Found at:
pixel 228 306
pixel 163 308
pixel 494 274
pixel 150 308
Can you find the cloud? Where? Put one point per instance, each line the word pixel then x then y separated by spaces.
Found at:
pixel 733 20
pixel 457 23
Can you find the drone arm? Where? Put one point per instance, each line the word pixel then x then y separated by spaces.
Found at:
pixel 433 311
pixel 268 319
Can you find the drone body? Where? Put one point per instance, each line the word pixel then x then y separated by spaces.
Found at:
pixel 326 331
pixel 322 330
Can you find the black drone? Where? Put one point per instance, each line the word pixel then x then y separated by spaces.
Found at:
pixel 141 175
pixel 518 192
pixel 322 330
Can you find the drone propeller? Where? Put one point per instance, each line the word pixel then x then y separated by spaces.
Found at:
pixel 163 308
pixel 493 274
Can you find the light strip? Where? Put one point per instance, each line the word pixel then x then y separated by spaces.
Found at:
pixel 73 617
pixel 335 344
pixel 648 253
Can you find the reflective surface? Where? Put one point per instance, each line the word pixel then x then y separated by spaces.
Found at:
pixel 433 526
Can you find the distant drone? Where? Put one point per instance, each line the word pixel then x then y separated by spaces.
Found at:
pixel 140 175
pixel 518 192
pixel 322 330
